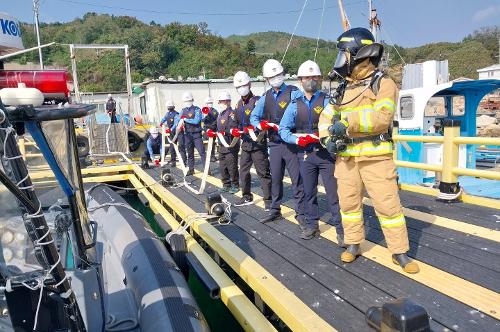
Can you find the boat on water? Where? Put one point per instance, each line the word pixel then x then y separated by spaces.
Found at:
pixel 78 257
pixel 423 110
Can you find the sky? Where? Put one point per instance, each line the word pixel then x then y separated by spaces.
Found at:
pixel 404 22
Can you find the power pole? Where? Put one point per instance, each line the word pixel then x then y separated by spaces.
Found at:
pixel 36 6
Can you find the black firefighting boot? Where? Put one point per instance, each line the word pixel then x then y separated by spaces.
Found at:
pixel 351 253
pixel 408 265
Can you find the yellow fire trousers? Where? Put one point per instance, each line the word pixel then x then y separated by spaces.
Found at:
pixel 378 176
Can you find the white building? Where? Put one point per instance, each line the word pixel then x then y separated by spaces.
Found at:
pixel 151 102
pixel 489 72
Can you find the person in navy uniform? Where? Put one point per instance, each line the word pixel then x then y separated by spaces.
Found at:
pixel 267 115
pixel 299 126
pixel 252 153
pixel 192 131
pixel 228 157
pixel 153 145
pixel 210 122
pixel 167 122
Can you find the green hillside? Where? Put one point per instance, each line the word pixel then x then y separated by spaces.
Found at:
pixel 191 50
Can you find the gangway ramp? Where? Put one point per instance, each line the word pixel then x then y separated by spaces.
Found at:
pixel 460 279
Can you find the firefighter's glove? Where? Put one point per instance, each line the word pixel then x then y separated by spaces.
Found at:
pixel 339 128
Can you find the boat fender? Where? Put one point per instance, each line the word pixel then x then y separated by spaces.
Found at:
pixel 143 199
pixel 21 96
pixel 178 249
pixel 162 223
pixel 206 279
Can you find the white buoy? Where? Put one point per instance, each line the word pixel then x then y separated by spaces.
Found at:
pixel 21 96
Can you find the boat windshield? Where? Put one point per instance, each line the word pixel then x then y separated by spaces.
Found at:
pixel 59 135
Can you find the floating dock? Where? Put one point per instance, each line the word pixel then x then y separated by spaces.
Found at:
pixel 280 281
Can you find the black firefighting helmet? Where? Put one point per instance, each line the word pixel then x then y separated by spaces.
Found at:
pixel 354 46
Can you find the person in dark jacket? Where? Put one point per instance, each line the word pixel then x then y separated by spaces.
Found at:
pixel 228 156
pixel 252 153
pixel 111 108
pixel 167 122
pixel 210 122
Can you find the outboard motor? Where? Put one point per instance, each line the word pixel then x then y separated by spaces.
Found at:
pixel 402 315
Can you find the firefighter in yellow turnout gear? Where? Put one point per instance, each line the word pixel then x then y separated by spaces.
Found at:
pixel 355 128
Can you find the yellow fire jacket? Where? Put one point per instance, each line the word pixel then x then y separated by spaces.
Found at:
pixel 366 115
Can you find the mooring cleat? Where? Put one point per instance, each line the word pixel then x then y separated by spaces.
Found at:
pixel 408 265
pixel 351 253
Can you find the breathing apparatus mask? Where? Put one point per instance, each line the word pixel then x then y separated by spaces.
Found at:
pixel 188 104
pixel 343 65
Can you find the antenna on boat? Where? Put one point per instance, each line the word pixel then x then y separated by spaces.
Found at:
pixel 36 6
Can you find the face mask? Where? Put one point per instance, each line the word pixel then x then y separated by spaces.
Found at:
pixel 311 85
pixel 188 103
pixel 243 90
pixel 210 105
pixel 154 135
pixel 222 108
pixel 276 81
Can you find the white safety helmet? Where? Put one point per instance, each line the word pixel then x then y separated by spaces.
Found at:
pixel 187 96
pixel 170 103
pixel 153 131
pixel 209 100
pixel 271 68
pixel 241 78
pixel 109 95
pixel 309 68
pixel 224 95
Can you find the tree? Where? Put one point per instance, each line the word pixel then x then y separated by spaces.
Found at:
pixel 250 48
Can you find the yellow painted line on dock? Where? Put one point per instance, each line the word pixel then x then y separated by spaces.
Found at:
pixel 291 310
pixel 34 175
pixel 459 226
pixel 231 295
pixel 466 198
pixel 471 294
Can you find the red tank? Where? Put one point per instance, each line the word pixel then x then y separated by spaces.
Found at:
pixel 54 84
